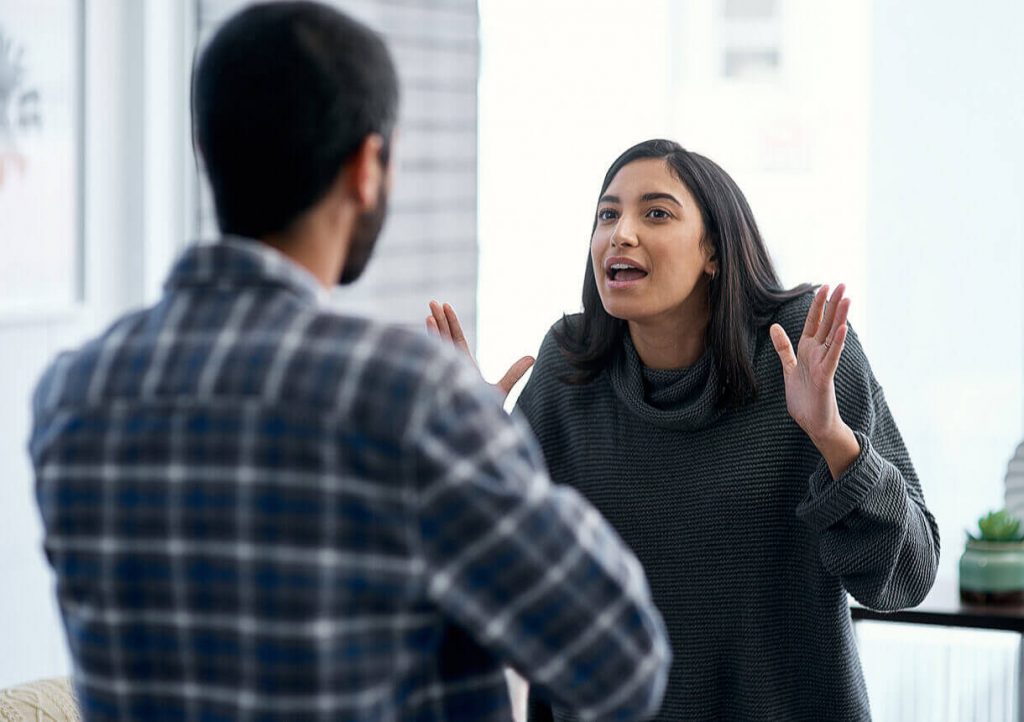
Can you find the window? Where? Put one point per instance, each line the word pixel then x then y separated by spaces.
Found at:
pixel 750 34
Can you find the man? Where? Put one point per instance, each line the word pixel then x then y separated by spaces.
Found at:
pixel 259 508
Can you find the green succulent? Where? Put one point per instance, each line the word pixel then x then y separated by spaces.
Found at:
pixel 999 526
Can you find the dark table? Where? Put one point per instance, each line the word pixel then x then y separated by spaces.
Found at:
pixel 943 607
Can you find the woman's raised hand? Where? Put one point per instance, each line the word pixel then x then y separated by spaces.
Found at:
pixel 443 322
pixel 810 377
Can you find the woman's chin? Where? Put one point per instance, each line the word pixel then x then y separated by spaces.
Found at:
pixel 623 311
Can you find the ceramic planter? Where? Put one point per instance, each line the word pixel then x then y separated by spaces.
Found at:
pixel 992 572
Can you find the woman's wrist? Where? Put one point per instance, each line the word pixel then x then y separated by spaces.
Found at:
pixel 839 447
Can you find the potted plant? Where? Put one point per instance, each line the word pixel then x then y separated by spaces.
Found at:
pixel 992 565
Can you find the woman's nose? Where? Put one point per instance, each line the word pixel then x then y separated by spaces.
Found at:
pixel 624 234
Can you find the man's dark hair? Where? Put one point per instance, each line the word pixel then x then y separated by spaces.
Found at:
pixel 283 96
pixel 744 294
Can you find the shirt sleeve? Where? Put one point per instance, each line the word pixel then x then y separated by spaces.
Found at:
pixel 531 570
pixel 537 710
pixel 875 531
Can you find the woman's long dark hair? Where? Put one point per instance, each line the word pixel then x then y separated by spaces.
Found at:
pixel 745 291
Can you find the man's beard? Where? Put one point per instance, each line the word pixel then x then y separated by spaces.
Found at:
pixel 364 239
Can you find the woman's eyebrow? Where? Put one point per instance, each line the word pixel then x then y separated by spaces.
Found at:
pixel 660 196
pixel 645 198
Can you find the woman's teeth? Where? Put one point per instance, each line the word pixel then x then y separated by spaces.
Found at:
pixel 623 272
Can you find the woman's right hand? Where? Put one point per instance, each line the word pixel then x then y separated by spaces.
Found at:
pixel 443 322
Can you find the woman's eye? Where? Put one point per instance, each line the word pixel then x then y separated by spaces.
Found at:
pixel 658 214
pixel 607 214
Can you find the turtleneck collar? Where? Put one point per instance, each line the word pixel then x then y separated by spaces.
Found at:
pixel 682 399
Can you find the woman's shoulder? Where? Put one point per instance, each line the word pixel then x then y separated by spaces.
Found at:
pixel 549 378
pixel 791 314
pixel 561 335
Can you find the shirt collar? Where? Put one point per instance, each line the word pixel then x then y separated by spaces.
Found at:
pixel 235 262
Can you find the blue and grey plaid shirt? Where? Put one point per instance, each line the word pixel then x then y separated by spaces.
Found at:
pixel 259 509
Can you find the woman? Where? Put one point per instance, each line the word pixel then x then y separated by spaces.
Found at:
pixel 757 484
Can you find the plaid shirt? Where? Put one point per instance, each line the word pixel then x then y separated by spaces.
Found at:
pixel 260 509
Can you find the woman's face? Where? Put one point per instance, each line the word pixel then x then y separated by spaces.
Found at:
pixel 646 250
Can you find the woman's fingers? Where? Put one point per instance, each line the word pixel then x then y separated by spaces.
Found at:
pixel 842 311
pixel 814 312
pixel 441 320
pixel 837 336
pixel 444 322
pixel 458 336
pixel 827 325
pixel 516 372
pixel 835 349
pixel 783 347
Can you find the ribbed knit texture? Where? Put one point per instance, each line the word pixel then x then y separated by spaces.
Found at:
pixel 749 544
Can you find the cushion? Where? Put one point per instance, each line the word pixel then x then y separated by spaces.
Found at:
pixel 48 700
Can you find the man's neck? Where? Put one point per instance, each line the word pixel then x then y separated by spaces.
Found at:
pixel 314 243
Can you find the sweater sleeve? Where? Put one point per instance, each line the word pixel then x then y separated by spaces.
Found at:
pixel 875 531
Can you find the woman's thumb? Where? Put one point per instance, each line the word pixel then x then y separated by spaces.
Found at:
pixel 783 347
pixel 515 372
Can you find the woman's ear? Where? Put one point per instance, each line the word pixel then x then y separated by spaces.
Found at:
pixel 711 263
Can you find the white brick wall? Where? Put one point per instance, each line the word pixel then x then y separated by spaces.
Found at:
pixel 429 245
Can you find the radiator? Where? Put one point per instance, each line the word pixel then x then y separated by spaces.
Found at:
pixel 920 673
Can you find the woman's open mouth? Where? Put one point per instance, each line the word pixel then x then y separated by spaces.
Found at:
pixel 623 273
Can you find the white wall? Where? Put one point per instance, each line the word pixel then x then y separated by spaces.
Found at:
pixel 796 141
pixel 887 152
pixel 133 184
pixel 946 237
pixel 564 88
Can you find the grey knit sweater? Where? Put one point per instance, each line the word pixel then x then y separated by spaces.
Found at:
pixel 749 545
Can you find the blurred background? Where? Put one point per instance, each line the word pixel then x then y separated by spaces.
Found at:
pixel 880 143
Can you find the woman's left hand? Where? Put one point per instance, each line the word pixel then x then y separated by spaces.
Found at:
pixel 810 378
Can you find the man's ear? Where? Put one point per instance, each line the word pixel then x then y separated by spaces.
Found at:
pixel 366 173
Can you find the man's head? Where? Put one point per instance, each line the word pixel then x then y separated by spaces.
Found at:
pixel 286 97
